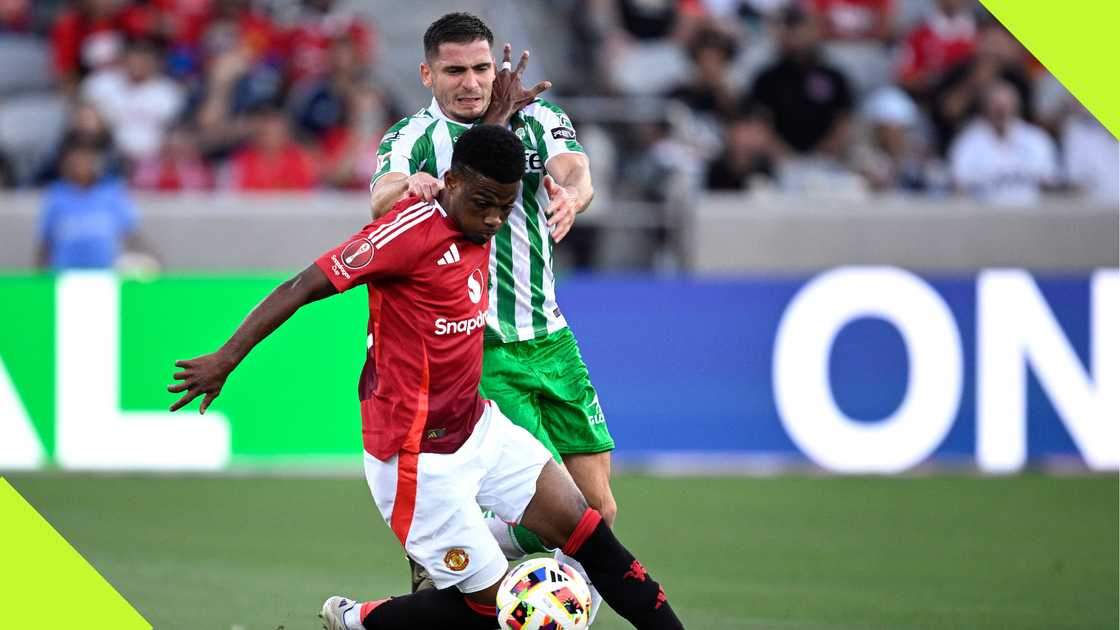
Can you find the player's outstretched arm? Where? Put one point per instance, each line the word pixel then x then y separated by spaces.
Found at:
pixel 205 375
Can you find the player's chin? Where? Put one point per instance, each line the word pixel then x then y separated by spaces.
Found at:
pixel 480 238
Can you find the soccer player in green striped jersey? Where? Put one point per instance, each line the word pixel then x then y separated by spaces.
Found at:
pixel 531 364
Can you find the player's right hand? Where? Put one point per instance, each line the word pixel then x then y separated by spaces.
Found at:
pixel 424 186
pixel 202 375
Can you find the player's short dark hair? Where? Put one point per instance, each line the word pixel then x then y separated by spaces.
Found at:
pixel 455 28
pixel 490 151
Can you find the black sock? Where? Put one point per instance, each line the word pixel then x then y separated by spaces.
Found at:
pixel 446 608
pixel 621 579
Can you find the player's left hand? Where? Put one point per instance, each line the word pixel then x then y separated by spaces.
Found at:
pixel 202 375
pixel 508 96
pixel 561 208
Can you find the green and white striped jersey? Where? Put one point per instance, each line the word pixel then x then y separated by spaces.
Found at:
pixel 522 285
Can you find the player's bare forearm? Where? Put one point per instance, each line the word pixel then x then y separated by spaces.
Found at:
pixel 572 171
pixel 388 191
pixel 308 286
pixel 206 375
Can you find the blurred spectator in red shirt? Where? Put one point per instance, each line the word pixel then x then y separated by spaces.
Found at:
pixel 855 19
pixel 178 165
pixel 86 36
pixel 946 38
pixel 273 160
pixel 137 100
pixel 309 41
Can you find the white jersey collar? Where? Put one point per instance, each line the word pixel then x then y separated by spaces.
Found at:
pixel 439 207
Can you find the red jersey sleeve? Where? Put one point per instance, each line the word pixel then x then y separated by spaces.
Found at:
pixel 386 248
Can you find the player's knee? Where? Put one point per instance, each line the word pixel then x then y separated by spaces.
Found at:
pixel 602 500
pixel 608 509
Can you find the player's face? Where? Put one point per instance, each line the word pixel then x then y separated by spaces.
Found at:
pixel 479 205
pixel 461 77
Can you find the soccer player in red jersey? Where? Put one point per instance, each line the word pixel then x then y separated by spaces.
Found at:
pixel 434 450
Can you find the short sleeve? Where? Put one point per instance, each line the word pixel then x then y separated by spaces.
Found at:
pixel 553 129
pixel 403 148
pixel 386 248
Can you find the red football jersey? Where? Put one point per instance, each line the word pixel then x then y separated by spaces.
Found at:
pixel 427 313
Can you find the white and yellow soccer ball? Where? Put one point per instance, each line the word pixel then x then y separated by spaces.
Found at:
pixel 542 594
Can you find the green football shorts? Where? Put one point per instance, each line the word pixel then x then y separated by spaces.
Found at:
pixel 543 386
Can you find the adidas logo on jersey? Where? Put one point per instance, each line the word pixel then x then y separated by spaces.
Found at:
pixel 450 256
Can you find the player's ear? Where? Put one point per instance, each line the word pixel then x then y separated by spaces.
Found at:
pixel 426 74
pixel 450 180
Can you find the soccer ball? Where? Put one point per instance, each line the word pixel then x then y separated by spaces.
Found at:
pixel 542 594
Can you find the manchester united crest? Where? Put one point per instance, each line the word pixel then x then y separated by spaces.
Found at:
pixel 456 559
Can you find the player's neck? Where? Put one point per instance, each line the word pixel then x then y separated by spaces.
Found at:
pixel 444 201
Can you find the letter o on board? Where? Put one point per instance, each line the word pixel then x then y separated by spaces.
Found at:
pixel 802 391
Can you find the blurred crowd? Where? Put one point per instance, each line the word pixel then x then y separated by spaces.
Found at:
pixel 842 97
pixel 919 97
pixel 180 95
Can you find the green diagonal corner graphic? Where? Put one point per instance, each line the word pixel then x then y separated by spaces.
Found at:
pixel 41 572
pixel 1077 42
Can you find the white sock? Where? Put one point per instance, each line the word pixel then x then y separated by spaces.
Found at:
pixel 596 598
pixel 503 533
pixel 352 617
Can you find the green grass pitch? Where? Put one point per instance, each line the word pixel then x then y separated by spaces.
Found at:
pixel 261 553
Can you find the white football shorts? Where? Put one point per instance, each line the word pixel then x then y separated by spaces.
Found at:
pixel 431 501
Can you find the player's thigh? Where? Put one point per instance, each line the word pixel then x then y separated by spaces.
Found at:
pixel 592 474
pixel 569 404
pixel 510 481
pixel 516 390
pixel 428 500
